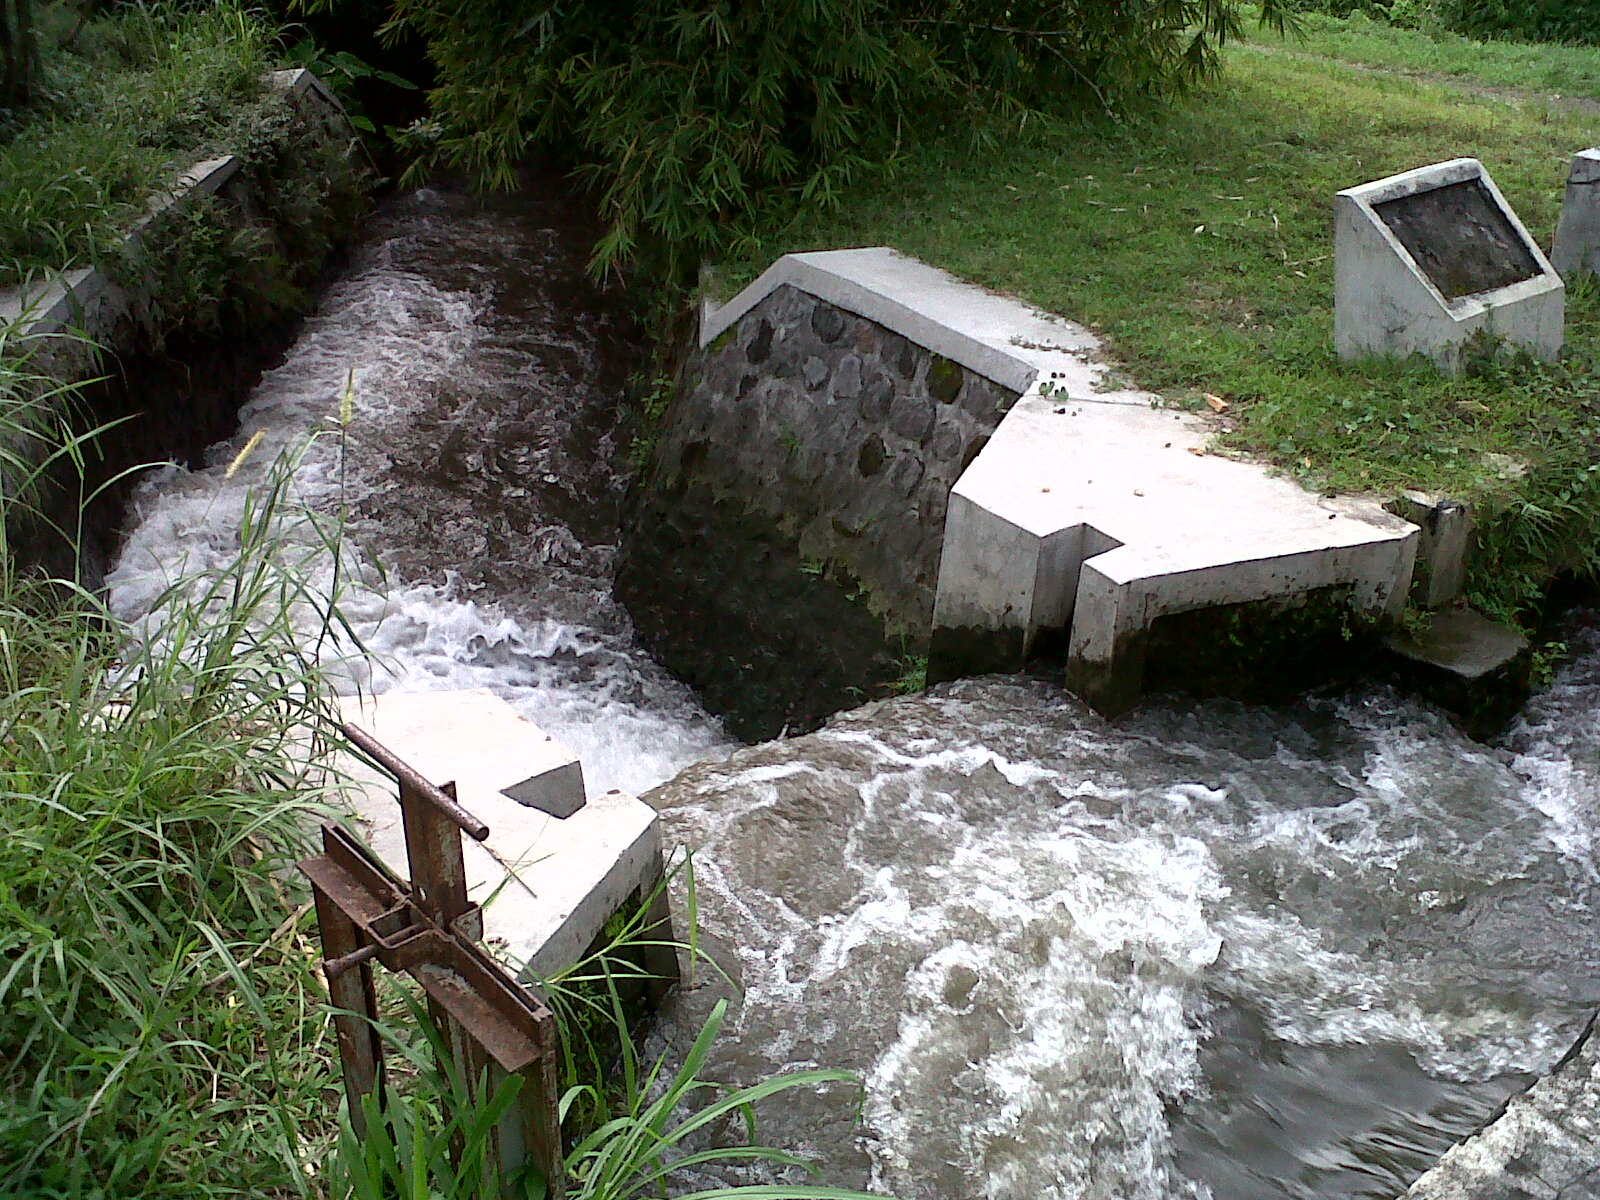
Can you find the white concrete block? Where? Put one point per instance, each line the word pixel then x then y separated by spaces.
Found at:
pixel 547 885
pixel 1443 544
pixel 1577 245
pixel 1091 511
pixel 1140 526
pixel 1403 285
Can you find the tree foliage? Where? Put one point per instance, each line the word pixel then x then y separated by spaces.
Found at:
pixel 688 117
pixel 19 53
pixel 1528 20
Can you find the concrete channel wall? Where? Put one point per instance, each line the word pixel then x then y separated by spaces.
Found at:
pixel 1048 507
pixel 163 348
pixel 86 300
pixel 804 469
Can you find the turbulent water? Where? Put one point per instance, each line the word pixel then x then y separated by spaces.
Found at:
pixel 1270 952
pixel 479 475
pixel 1248 952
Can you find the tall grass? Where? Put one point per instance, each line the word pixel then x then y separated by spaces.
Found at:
pixel 161 1029
pixel 634 1128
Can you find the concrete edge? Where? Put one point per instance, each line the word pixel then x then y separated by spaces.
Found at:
pixel 1585 166
pixel 1540 1139
pixel 55 302
pixel 638 865
pixel 898 313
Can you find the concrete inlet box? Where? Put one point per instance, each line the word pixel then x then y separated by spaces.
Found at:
pixel 1426 259
pixel 1577 246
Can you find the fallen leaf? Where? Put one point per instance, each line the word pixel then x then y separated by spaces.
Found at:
pixel 1198 451
pixel 1217 402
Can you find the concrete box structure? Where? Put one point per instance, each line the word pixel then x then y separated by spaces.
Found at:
pixel 547 884
pixel 1091 511
pixel 1427 259
pixel 1577 244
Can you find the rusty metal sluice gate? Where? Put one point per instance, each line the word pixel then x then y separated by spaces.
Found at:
pixel 495 1028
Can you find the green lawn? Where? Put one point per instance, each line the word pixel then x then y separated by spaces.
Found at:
pixel 1572 71
pixel 1200 244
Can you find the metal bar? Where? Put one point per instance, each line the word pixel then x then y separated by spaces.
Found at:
pixel 491 1027
pixel 537 1112
pixel 335 967
pixel 438 864
pixel 407 774
pixel 360 1050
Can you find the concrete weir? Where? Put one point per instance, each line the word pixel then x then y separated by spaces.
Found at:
pixel 1540 1147
pixel 1091 511
pixel 547 883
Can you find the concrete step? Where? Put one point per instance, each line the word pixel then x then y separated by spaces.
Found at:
pixel 547 883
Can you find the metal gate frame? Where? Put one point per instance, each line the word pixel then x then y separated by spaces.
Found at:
pixel 495 1027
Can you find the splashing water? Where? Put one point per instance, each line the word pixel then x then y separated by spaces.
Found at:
pixel 477 473
pixel 1210 950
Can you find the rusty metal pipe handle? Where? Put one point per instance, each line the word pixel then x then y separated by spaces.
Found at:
pixel 335 967
pixel 407 774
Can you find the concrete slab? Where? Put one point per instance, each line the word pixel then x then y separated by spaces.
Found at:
pixel 1463 642
pixel 1091 511
pixel 1471 666
pixel 1415 283
pixel 1544 1146
pixel 1577 246
pixel 995 335
pixel 547 885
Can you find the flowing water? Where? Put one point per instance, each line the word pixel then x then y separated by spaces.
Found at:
pixel 1250 952
pixel 480 474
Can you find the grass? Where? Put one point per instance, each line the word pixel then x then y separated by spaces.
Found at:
pixel 1521 66
pixel 1199 242
pixel 162 1032
pixel 632 1127
pixel 131 101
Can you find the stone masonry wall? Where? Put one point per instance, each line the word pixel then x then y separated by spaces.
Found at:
pixel 785 546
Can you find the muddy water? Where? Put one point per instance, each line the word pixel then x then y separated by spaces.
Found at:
pixel 1210 949
pixel 481 476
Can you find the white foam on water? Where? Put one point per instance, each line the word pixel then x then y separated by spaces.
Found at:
pixel 1015 920
pixel 1556 741
pixel 391 331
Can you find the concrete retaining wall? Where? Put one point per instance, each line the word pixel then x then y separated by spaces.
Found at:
pixel 173 354
pixel 803 470
pixel 848 402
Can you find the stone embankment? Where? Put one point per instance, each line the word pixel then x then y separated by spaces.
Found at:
pixel 868 460
pixel 1544 1146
